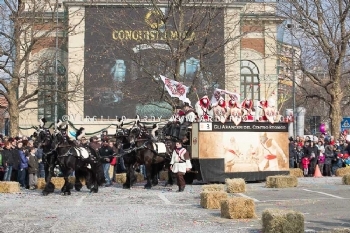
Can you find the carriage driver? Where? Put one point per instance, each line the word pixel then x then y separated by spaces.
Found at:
pixel 180 164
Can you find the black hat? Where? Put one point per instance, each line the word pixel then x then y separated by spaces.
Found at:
pixel 291 139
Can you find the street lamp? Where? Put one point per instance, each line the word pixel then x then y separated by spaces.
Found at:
pixel 291 26
pixel 56 63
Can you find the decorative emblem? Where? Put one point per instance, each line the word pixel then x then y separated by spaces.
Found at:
pixel 153 19
pixel 194 141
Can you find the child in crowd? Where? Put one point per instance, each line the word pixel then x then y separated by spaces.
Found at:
pixel 347 161
pixel 321 159
pixel 305 161
pixel 33 166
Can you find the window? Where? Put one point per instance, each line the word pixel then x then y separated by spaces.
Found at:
pixel 46 94
pixel 250 81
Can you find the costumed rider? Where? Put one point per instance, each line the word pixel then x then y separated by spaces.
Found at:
pixel 187 120
pixel 106 153
pixel 204 110
pixel 172 128
pixel 79 135
pixel 180 164
pixel 63 128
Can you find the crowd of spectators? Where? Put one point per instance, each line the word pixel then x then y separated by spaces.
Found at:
pixel 325 151
pixel 20 161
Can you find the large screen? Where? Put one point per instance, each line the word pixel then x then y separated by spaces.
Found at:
pixel 127 48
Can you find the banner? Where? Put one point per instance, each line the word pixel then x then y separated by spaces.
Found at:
pixel 219 92
pixel 176 89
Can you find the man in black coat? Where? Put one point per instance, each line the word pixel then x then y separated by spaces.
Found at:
pixel 106 153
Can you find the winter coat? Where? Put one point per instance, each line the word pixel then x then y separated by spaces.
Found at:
pixel 24 161
pixel 329 155
pixel 16 159
pixel 33 164
pixel 321 158
pixel 305 161
pixel 299 154
pixel 312 150
pixel 7 157
pixel 106 152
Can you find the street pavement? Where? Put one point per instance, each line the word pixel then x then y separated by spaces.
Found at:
pixel 325 203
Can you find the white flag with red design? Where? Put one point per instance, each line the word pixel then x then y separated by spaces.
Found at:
pixel 219 92
pixel 175 89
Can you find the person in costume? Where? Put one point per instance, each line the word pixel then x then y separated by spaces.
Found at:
pixel 180 164
pixel 203 109
pixel 189 117
pixel 248 109
pixel 263 104
pixel 172 128
pixel 220 110
pixel 234 110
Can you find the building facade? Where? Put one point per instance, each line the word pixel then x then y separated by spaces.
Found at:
pixel 107 57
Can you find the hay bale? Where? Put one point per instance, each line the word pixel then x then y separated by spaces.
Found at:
pixel 9 187
pixel 346 179
pixel 120 178
pixel 57 181
pixel 235 185
pixel 238 208
pixel 282 221
pixel 281 181
pixel 71 179
pixel 342 171
pixel 213 187
pixel 212 199
pixel 41 183
pixel 163 175
pixel 139 177
pixel 297 172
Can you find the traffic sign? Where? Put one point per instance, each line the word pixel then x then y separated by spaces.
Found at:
pixel 345 124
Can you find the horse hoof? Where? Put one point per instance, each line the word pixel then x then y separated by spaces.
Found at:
pixel 148 187
pixel 78 190
pixel 67 193
pixel 45 193
pixel 93 191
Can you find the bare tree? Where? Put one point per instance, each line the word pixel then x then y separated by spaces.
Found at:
pixel 29 28
pixel 321 30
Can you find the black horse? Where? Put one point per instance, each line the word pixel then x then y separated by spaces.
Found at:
pixel 145 152
pixel 84 161
pixel 44 141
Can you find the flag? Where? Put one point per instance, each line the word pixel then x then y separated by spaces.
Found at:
pixel 219 92
pixel 175 89
pixel 216 96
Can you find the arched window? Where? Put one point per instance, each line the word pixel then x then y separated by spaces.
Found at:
pixel 46 94
pixel 250 82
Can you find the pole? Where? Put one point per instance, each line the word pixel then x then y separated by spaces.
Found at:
pixel 56 61
pixel 293 72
